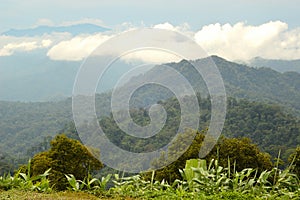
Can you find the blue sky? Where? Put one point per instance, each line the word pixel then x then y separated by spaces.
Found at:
pixel 20 14
pixel 233 29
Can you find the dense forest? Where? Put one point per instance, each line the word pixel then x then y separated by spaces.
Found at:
pixel 266 125
pixel 257 152
pixel 263 105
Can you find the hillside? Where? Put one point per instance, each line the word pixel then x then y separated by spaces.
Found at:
pixel 24 126
pixel 53 80
pixel 262 84
pixel 28 133
pixel 278 65
pixel 266 124
pixel 241 81
pixel 34 77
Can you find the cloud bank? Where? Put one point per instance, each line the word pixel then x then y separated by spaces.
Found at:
pixel 243 42
pixel 240 41
pixel 24 45
pixel 77 48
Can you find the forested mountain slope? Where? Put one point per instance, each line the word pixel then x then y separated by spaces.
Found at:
pixel 24 125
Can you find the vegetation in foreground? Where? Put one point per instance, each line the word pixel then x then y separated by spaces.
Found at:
pixel 199 179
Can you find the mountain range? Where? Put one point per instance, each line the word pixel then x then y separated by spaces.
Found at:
pixel 35 77
pixel 276 64
pixel 75 29
pixel 23 123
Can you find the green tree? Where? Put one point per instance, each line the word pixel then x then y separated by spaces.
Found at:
pixel 240 151
pixel 171 171
pixel 295 158
pixel 66 156
pixel 6 164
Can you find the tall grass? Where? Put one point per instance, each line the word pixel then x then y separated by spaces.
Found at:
pixel 200 180
pixel 24 181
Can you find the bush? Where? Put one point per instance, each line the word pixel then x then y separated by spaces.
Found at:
pixel 295 161
pixel 66 156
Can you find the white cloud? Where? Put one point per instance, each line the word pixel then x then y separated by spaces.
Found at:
pixel 239 41
pixel 151 56
pixel 243 42
pixel 76 48
pixel 10 48
pixel 167 26
pixel 80 47
pixel 234 42
pixel 46 43
pixel 11 44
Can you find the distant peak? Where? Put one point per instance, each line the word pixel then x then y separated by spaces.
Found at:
pixel 215 57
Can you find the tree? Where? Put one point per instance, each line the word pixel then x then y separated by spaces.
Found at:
pixel 295 158
pixel 240 151
pixel 171 172
pixel 6 164
pixel 66 156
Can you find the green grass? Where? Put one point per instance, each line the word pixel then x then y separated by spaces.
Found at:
pixel 66 195
pixel 16 194
pixel 22 195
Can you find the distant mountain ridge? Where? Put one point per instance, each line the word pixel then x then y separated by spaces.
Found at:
pixel 21 122
pixel 276 64
pixel 260 84
pixel 37 78
pixel 75 29
pixel 34 77
pixel 241 81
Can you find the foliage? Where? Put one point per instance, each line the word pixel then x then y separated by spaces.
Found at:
pixel 295 161
pixel 211 179
pixel 92 185
pixel 265 124
pixel 239 151
pixel 170 172
pixel 6 164
pixel 199 181
pixel 25 181
pixel 26 126
pixel 202 181
pixel 66 156
pixel 242 152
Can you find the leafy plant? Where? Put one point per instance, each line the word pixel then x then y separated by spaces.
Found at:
pixel 92 185
pixel 213 179
pixel 25 181
pixel 76 185
pixel 8 182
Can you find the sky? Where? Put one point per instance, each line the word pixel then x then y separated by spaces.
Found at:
pixel 233 29
pixel 17 13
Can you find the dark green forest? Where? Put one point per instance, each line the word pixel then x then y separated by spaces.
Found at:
pixel 262 105
pixel 257 155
